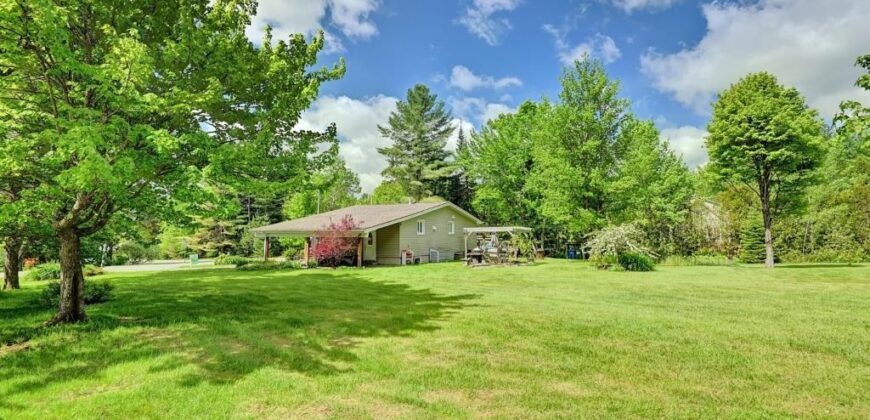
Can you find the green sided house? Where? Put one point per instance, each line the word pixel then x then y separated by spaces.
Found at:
pixel 392 234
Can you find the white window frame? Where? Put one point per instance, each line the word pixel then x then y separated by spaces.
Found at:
pixel 421 227
pixel 451 228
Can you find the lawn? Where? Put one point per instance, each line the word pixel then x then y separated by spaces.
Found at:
pixel 558 339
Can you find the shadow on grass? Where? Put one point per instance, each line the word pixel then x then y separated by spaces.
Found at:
pixel 819 265
pixel 225 323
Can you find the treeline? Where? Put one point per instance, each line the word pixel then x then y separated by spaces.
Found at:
pixel 781 184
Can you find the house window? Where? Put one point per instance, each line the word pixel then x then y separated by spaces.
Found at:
pixel 371 239
pixel 451 227
pixel 421 227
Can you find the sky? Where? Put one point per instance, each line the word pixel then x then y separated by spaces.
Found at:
pixel 485 57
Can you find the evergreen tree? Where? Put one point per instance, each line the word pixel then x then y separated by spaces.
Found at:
pixel 752 250
pixel 419 129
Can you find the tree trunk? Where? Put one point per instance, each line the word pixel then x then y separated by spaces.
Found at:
pixel 12 263
pixel 768 234
pixel 72 280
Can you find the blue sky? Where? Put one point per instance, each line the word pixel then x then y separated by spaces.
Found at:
pixel 484 57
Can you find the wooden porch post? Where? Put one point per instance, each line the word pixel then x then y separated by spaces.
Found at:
pixel 306 250
pixel 266 246
pixel 359 253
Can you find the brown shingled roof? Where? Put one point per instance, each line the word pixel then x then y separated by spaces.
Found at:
pixel 368 217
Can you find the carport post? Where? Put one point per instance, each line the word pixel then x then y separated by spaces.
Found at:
pixel 466 246
pixel 306 251
pixel 359 252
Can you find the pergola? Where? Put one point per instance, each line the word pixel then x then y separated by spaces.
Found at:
pixel 493 231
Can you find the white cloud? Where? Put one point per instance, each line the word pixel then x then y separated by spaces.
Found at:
pixel 357 123
pixel 287 17
pixel 463 78
pixel 479 20
pixel 598 46
pixel 631 5
pixel 687 141
pixel 808 44
pixel 478 110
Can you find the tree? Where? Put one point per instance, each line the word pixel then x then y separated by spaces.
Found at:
pixel 134 108
pixel 652 186
pixel 419 129
pixel 499 160
pixel 763 135
pixel 576 146
pixel 389 192
pixel 752 247
pixel 335 242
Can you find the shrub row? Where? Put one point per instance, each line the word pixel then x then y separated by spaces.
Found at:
pixel 235 260
pixel 95 292
pixel 51 271
pixel 626 261
pixel 270 265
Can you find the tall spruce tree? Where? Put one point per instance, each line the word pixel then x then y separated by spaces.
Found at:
pixel 419 129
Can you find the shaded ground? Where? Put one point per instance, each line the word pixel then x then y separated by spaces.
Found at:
pixel 557 339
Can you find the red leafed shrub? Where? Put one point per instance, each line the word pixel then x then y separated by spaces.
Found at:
pixel 334 245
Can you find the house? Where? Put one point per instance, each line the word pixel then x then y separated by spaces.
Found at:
pixel 392 234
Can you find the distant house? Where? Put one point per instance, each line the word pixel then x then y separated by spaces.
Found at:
pixel 392 234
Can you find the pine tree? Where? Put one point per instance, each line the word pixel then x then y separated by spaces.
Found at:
pixel 752 249
pixel 419 129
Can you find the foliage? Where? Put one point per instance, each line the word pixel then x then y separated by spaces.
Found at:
pixel 697 260
pixel 418 130
pixel 499 158
pixel 752 242
pixel 95 292
pixel 763 136
pixel 235 260
pixel 270 265
pixel 135 252
pixel 652 187
pixel 388 192
pixel 635 262
pixel 91 270
pixel 44 271
pixel 576 146
pixel 335 243
pixel 173 242
pixel 617 240
pixel 332 188
pixel 134 110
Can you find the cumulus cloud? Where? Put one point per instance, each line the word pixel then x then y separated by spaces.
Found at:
pixel 350 17
pixel 357 123
pixel 478 110
pixel 463 78
pixel 808 44
pixel 599 46
pixel 630 6
pixel 687 141
pixel 479 19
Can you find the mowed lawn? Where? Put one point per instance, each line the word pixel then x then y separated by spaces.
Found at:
pixel 558 339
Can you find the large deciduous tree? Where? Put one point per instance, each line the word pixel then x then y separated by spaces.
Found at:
pixel 419 129
pixel 764 136
pixel 133 107
pixel 576 146
pixel 499 159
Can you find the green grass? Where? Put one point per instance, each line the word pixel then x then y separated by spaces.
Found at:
pixel 559 339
